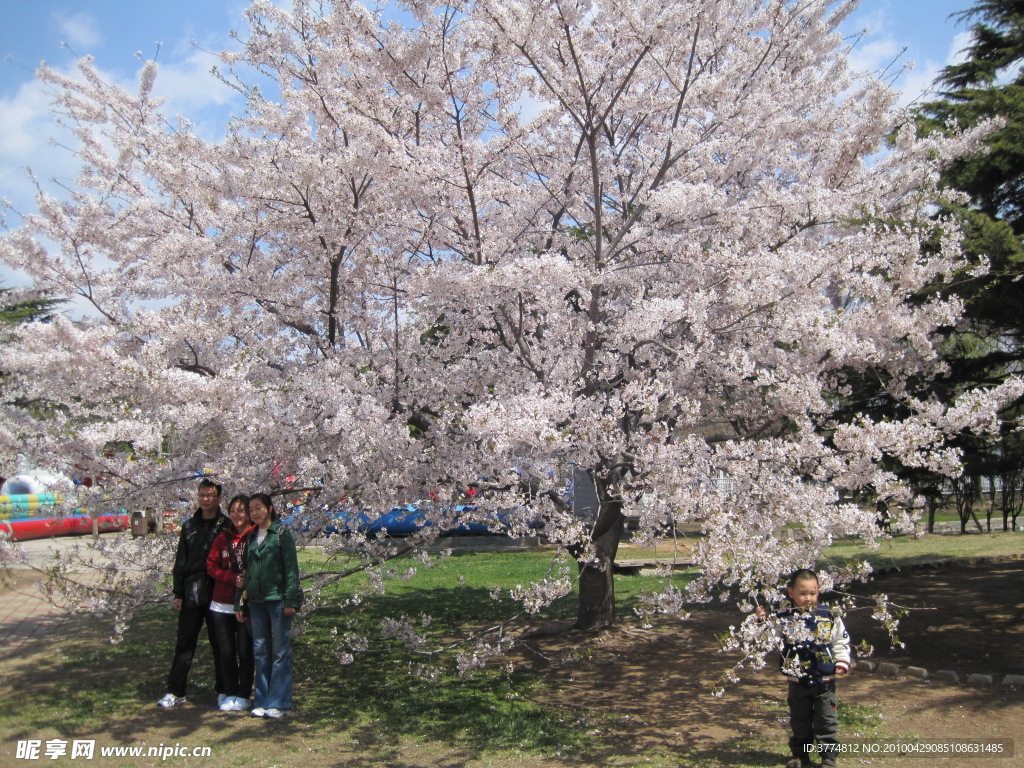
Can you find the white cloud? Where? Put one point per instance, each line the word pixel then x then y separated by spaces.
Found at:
pixel 26 135
pixel 29 129
pixel 22 129
pixel 79 30
pixel 957 49
pixel 882 54
pixel 873 54
pixel 192 91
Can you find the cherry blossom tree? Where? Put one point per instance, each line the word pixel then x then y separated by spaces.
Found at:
pixel 649 240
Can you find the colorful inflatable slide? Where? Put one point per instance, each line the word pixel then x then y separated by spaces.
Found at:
pixel 34 516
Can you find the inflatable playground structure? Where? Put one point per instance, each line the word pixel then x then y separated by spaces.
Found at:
pixel 27 512
pixel 25 516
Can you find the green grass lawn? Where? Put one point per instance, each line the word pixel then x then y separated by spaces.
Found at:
pixel 910 550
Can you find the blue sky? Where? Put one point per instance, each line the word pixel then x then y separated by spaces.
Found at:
pixel 184 35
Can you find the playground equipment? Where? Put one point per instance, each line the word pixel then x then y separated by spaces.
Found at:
pixel 32 516
pixel 27 502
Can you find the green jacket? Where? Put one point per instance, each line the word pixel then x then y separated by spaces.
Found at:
pixel 272 567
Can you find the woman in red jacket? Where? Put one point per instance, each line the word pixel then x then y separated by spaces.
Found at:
pixel 225 564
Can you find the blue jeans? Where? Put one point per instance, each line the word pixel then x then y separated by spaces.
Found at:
pixel 272 651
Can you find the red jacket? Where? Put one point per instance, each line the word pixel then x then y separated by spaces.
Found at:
pixel 225 562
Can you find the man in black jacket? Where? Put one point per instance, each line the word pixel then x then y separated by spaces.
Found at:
pixel 192 591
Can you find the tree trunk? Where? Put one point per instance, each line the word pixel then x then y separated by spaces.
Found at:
pixel 991 503
pixel 965 491
pixel 596 608
pixel 1010 496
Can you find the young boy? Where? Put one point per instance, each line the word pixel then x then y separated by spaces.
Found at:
pixel 815 650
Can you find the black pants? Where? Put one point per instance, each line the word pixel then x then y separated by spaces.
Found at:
pixel 813 717
pixel 190 622
pixel 236 661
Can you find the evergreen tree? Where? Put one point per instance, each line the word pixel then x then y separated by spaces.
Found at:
pixel 989 85
pixel 985 195
pixel 16 308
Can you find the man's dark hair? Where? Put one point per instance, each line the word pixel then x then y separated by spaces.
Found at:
pixel 800 575
pixel 207 483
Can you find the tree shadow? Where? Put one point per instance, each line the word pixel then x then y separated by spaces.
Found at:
pixel 965 617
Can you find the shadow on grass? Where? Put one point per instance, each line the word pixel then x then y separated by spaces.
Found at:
pixel 412 694
pixel 78 685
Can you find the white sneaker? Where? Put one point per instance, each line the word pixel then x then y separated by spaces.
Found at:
pixel 274 713
pixel 227 704
pixel 221 698
pixel 258 712
pixel 170 700
pixel 240 704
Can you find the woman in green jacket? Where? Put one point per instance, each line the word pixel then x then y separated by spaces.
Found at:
pixel 272 595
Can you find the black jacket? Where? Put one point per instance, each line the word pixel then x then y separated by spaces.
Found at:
pixel 194 544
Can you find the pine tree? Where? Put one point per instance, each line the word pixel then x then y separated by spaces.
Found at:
pixel 985 195
pixel 16 308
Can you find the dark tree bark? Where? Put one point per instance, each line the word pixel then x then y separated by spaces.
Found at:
pixel 597 585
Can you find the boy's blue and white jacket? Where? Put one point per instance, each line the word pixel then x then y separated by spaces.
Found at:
pixel 815 644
